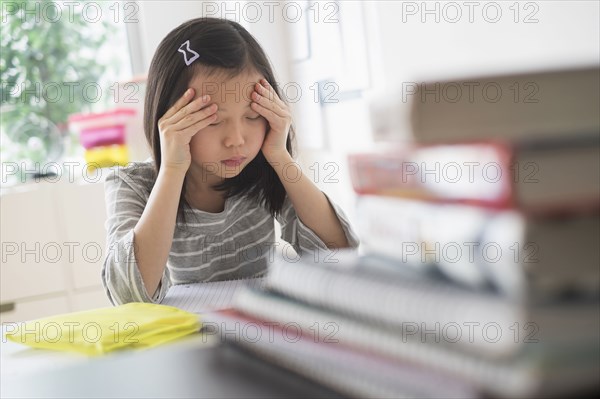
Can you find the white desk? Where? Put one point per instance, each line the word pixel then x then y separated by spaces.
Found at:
pixel 195 366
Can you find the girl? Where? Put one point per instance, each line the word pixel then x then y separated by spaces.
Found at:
pixel 202 208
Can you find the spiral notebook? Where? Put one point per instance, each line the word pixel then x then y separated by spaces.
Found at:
pixel 208 297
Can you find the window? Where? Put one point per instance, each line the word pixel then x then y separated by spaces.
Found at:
pixel 57 59
pixel 330 60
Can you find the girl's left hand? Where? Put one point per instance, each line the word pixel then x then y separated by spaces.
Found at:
pixel 268 104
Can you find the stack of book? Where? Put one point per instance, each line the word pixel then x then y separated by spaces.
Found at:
pixel 479 275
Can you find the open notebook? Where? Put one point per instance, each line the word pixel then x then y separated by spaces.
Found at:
pixel 208 297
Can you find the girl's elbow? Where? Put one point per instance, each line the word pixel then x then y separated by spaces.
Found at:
pixel 340 244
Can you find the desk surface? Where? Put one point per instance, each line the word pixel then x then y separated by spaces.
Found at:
pixel 195 366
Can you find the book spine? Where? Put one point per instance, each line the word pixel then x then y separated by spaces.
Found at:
pixel 463 241
pixel 476 173
pixel 559 103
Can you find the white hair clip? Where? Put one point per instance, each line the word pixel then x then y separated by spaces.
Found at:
pixel 189 52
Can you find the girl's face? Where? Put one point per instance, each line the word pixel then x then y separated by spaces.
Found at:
pixel 237 133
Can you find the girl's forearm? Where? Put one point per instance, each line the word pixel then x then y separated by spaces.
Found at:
pixel 153 234
pixel 311 205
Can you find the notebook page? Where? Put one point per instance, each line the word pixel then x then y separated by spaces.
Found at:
pixel 207 297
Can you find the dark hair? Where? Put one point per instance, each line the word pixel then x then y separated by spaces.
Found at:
pixel 225 47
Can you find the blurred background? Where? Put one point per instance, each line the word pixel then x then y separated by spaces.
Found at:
pixel 345 67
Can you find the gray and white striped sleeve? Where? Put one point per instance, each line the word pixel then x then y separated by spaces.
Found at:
pixel 122 281
pixel 302 238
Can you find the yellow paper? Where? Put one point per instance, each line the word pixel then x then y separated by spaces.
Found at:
pixel 111 155
pixel 95 332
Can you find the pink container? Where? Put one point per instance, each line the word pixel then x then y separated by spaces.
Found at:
pixel 90 138
pixel 116 117
pixel 102 129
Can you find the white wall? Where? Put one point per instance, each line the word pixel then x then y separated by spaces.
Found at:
pixel 158 18
pixel 566 33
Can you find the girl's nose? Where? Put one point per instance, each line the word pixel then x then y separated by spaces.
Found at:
pixel 234 137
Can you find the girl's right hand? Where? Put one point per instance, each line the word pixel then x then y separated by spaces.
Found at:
pixel 177 127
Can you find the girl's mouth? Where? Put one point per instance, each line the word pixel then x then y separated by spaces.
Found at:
pixel 232 162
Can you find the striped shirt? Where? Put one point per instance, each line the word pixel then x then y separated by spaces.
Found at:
pixel 238 242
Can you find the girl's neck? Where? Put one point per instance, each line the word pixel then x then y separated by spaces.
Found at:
pixel 200 195
pixel 199 181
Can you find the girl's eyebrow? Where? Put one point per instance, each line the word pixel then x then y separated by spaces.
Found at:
pixel 223 109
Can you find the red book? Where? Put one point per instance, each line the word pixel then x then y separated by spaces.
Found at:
pixel 535 176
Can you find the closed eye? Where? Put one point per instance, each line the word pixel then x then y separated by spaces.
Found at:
pixel 251 119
